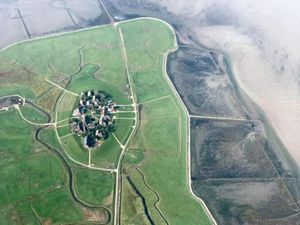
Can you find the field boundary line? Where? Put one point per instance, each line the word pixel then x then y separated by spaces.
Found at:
pixel 32 123
pixel 124 118
pixel 67 135
pixel 119 105
pixel 121 145
pixel 123 112
pixel 65 125
pixel 155 99
pixel 36 214
pixel 63 120
pixel 222 118
pixel 70 92
pixel 155 193
pixel 179 125
pixel 90 156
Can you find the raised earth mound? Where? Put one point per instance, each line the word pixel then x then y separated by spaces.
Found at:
pixel 93 118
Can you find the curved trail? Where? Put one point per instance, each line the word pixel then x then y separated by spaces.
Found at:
pixel 60 156
pixel 156 194
pixel 118 170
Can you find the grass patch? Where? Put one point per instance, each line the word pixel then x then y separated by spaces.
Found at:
pixel 132 206
pixel 94 187
pixel 123 129
pixel 16 137
pixel 162 134
pixel 10 216
pixel 62 131
pixel 33 115
pixel 29 176
pixel 75 149
pixel 66 106
pixel 125 115
pixel 135 156
pixel 57 207
pixel 84 81
pixel 48 135
pixel 107 154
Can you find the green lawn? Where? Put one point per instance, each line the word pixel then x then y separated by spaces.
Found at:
pixel 33 115
pixel 94 187
pixel 66 106
pixel 74 147
pixel 16 137
pixel 107 154
pixel 49 136
pixel 23 178
pixel 62 131
pixel 123 129
pixel 135 156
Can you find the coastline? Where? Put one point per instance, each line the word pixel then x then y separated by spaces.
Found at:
pixel 273 132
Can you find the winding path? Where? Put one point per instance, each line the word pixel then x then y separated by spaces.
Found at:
pixel 117 170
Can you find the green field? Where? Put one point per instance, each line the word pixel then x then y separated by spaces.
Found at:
pixel 34 183
pixel 95 187
pixel 162 131
pixel 135 156
pixel 47 174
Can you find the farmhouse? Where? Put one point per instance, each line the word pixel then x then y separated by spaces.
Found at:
pixel 92 118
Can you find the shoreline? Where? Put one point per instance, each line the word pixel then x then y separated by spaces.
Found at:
pixel 272 131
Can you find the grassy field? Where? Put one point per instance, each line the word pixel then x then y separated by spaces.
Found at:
pixel 135 156
pixel 77 62
pixel 162 131
pixel 107 154
pixel 73 146
pixel 33 114
pixel 66 106
pixel 36 181
pixel 95 187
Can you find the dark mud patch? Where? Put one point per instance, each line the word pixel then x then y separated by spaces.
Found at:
pixel 235 171
pixel 228 150
pixel 203 86
pixel 9 101
pixel 252 202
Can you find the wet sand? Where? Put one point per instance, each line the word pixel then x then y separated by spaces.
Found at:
pixel 25 19
pixel 276 95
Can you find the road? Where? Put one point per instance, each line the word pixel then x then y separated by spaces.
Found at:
pixel 117 170
pixel 171 85
pixel 118 176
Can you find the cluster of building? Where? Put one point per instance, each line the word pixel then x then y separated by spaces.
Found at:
pixel 93 117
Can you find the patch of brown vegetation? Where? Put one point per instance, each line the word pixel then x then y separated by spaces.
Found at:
pixel 108 200
pixel 95 215
pixel 48 100
pixel 3 74
pixel 48 222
